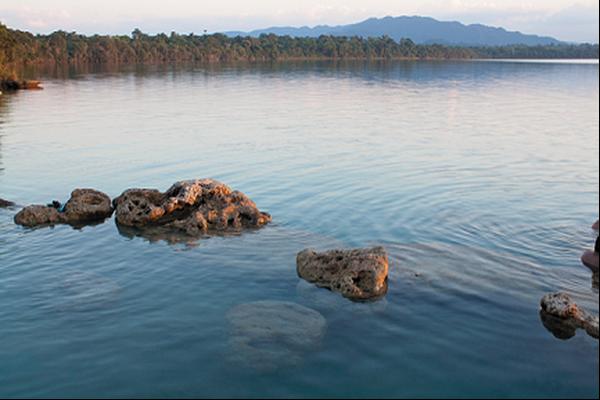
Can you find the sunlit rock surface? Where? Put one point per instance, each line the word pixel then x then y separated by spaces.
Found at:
pixel 358 274
pixel 193 207
pixel 270 334
pixel 562 316
pixel 85 206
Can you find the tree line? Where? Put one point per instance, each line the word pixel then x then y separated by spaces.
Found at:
pixel 60 47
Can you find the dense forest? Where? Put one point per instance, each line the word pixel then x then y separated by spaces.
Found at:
pixel 19 48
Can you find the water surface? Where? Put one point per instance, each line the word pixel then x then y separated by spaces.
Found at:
pixel 480 178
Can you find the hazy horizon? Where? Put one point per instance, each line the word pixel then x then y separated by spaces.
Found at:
pixel 571 21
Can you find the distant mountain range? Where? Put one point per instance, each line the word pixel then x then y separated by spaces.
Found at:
pixel 421 30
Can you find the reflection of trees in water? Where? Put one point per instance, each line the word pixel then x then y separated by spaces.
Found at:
pixel 3 113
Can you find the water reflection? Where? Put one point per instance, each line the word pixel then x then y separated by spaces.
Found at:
pixel 157 234
pixel 375 71
pixel 3 116
pixel 559 327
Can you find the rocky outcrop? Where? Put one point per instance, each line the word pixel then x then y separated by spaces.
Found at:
pixel 271 334
pixel 562 316
pixel 359 274
pixel 194 207
pixel 6 203
pixel 85 206
pixel 9 84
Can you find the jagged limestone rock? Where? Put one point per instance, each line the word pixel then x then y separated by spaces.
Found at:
pixel 195 207
pixel 562 316
pixel 85 206
pixel 358 274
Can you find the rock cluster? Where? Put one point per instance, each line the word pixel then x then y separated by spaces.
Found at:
pixel 194 207
pixel 358 274
pixel 562 316
pixel 85 206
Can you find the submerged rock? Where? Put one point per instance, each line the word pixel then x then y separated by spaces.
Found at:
pixel 194 207
pixel 76 291
pixel 85 206
pixel 5 203
pixel 358 274
pixel 562 316
pixel 270 334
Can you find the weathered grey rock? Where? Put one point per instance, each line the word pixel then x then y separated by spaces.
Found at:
pixel 562 316
pixel 85 206
pixel 6 203
pixel 358 274
pixel 270 334
pixel 195 207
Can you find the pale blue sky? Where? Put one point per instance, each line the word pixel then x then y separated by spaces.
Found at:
pixel 564 19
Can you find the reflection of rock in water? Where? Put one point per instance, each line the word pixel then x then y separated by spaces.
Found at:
pixel 560 328
pixel 269 334
pixel 326 300
pixel 81 291
pixel 272 235
pixel 157 234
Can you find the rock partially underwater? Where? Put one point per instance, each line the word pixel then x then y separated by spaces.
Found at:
pixel 6 203
pixel 561 316
pixel 193 207
pixel 11 84
pixel 84 207
pixel 267 334
pixel 358 274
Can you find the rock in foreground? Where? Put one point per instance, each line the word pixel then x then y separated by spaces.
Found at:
pixel 85 206
pixel 562 316
pixel 194 207
pixel 270 334
pixel 358 274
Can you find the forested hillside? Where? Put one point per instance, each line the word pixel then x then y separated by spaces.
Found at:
pixel 23 48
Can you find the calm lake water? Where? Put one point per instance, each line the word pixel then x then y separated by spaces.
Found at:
pixel 480 179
